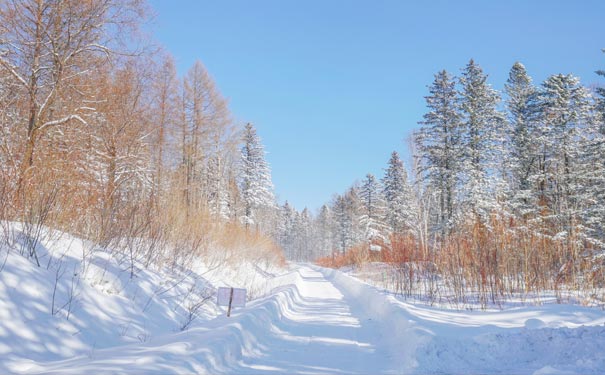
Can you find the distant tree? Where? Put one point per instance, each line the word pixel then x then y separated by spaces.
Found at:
pixel 564 114
pixel 255 178
pixel 399 197
pixel 205 123
pixel 594 184
pixel 306 241
pixel 286 229
pixel 439 145
pixel 482 138
pixel 324 228
pixel 522 115
pixel 372 209
pixel 346 209
pixel 165 102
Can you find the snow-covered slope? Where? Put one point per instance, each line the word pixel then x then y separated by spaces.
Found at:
pixel 310 320
pixel 82 299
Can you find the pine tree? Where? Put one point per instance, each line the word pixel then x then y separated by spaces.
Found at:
pixel 439 147
pixel 346 208
pixel 306 244
pixel 522 115
pixel 324 225
pixel 286 229
pixel 339 207
pixel 564 111
pixel 255 179
pixel 594 176
pixel 400 212
pixel 372 202
pixel 481 138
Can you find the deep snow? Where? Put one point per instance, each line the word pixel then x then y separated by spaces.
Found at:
pixel 306 320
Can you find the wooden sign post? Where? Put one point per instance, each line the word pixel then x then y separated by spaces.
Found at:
pixel 231 297
pixel 230 303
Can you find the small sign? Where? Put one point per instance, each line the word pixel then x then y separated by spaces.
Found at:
pixel 223 295
pixel 232 297
pixel 239 298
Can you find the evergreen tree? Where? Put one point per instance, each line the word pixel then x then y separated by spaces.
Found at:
pixel 594 215
pixel 324 231
pixel 306 244
pixel 522 113
pixel 346 210
pixel 255 179
pixel 372 202
pixel 286 229
pixel 481 139
pixel 400 212
pixel 439 146
pixel 341 223
pixel 564 110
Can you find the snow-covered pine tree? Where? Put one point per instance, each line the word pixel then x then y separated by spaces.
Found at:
pixel 400 212
pixel 564 111
pixel 438 143
pixel 339 207
pixel 372 205
pixel 354 211
pixel 306 244
pixel 255 180
pixel 285 229
pixel 324 225
pixel 482 138
pixel 522 115
pixel 346 210
pixel 593 184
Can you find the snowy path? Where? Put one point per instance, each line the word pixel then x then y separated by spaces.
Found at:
pixel 320 321
pixel 311 324
pixel 323 331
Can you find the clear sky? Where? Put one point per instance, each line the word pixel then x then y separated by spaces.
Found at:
pixel 334 86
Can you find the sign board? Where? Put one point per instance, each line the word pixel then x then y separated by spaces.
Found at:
pixel 223 296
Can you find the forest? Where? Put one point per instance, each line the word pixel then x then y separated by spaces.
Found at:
pixel 503 193
pixel 101 138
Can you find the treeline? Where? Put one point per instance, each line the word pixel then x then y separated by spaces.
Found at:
pixel 506 194
pixel 100 137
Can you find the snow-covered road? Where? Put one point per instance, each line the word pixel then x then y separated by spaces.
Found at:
pixel 311 324
pixel 324 329
pixel 323 321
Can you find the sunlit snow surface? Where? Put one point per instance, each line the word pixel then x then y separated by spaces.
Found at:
pixel 310 321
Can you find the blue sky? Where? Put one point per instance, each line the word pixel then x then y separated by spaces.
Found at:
pixel 335 86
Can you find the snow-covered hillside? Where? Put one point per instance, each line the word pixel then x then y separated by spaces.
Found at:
pixel 304 319
pixel 83 299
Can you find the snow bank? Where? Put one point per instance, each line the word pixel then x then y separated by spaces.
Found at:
pixel 83 299
pixel 547 339
pixel 218 347
pixel 399 335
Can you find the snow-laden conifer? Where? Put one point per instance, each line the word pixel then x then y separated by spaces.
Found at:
pixel 398 195
pixel 439 146
pixel 255 178
pixel 482 138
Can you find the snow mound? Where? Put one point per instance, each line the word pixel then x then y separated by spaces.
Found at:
pixel 534 323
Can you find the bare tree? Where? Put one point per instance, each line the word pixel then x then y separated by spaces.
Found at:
pixel 47 46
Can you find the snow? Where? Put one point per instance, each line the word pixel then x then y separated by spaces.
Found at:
pixel 302 320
